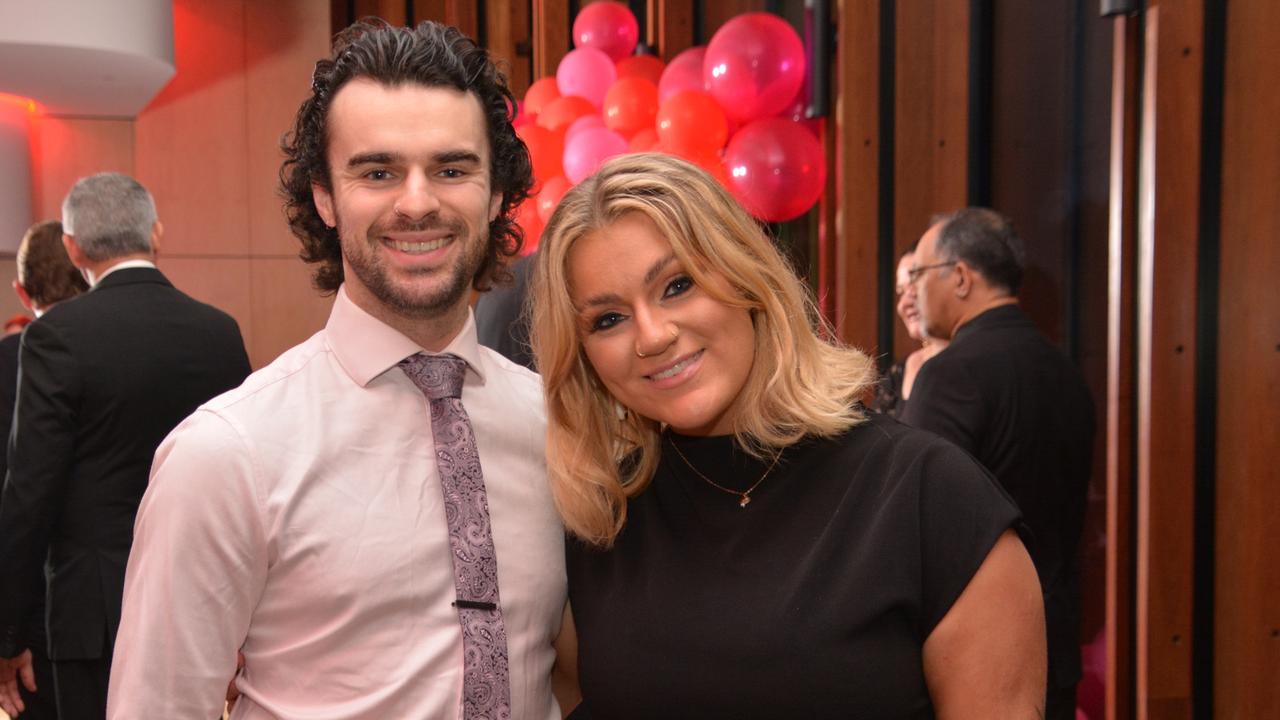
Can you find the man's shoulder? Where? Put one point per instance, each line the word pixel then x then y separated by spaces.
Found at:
pixel 260 396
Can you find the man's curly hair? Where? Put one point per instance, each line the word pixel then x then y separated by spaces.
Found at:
pixel 430 54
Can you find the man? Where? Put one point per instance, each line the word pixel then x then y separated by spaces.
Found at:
pixel 46 277
pixel 1004 393
pixel 104 377
pixel 329 518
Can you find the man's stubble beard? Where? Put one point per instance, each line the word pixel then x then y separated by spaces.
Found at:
pixel 371 269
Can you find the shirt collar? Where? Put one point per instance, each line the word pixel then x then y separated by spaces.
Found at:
pixel 124 266
pixel 366 347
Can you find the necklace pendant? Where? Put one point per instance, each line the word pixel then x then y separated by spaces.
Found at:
pixel 745 499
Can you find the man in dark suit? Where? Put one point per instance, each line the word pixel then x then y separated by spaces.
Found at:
pixel 104 378
pixel 46 277
pixel 1004 393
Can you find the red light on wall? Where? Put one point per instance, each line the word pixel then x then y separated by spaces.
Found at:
pixel 31 105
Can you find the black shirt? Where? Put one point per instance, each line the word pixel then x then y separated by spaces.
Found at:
pixel 813 601
pixel 1005 394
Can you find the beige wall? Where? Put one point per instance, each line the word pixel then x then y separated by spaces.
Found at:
pixel 208 149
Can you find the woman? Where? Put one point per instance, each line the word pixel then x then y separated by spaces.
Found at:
pixel 895 388
pixel 749 541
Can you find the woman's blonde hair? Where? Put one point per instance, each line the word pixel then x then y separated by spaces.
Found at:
pixel 800 384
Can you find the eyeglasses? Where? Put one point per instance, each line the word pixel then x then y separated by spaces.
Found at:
pixel 913 275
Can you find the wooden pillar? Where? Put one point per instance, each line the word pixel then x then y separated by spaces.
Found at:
pixel 1247 598
pixel 550 36
pixel 857 140
pixel 1169 202
pixel 1120 408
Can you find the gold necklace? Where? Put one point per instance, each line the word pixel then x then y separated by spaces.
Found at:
pixel 744 497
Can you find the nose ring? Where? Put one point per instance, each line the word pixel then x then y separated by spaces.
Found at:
pixel 638 353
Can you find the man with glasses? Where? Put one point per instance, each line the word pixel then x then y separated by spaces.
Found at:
pixel 1014 401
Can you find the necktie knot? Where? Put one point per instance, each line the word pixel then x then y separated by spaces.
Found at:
pixel 437 376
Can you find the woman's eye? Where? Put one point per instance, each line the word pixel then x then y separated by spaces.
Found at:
pixel 605 321
pixel 678 286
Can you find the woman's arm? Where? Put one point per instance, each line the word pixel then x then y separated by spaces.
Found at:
pixel 986 658
pixel 564 676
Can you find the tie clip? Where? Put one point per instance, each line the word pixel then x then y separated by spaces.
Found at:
pixel 475 605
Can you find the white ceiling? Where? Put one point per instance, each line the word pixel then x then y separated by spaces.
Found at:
pixel 86 57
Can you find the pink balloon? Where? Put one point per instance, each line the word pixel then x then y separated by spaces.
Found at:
pixel 608 27
pixel 684 72
pixel 586 72
pixel 588 149
pixel 583 123
pixel 776 169
pixel 754 66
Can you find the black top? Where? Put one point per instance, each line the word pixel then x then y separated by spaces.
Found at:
pixel 1005 394
pixel 105 376
pixel 813 601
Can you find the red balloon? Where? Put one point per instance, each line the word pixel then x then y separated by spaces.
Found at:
pixel 684 72
pixel 630 106
pixel 691 123
pixel 606 26
pixel 644 141
pixel 540 94
pixel 776 169
pixel 582 123
pixel 564 110
pixel 549 197
pixel 588 150
pixel 546 148
pixel 754 65
pixel 714 165
pixel 648 67
pixel 586 72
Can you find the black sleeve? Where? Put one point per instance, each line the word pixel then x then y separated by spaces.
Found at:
pixel 40 456
pixel 946 402
pixel 963 511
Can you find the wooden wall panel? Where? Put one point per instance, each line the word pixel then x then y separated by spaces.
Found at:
pixel 283 42
pixel 393 11
pixel 1247 597
pixel 285 309
pixel 510 43
pixel 1168 241
pixel 550 35
pixel 722 11
pixel 189 142
pixel 670 26
pixel 66 149
pixel 930 120
pixel 1032 145
pixel 856 118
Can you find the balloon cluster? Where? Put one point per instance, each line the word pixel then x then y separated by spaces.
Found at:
pixel 734 107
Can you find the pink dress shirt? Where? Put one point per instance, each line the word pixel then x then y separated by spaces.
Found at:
pixel 299 518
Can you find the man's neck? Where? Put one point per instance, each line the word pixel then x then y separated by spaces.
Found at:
pixel 433 333
pixel 981 307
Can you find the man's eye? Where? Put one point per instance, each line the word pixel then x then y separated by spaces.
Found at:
pixel 678 286
pixel 378 174
pixel 452 173
pixel 606 321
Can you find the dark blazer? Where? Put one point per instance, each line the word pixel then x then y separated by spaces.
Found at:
pixel 9 345
pixel 104 377
pixel 502 322
pixel 1014 401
